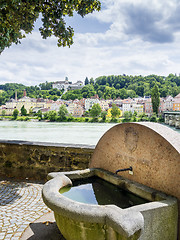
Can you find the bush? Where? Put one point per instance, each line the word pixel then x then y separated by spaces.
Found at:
pixel 20 119
pixel 79 119
pixel 26 119
pixel 15 114
pixel 134 119
pixel 94 120
pixel 114 120
pixel 60 119
pixel 153 118
pixel 161 118
pixel 70 119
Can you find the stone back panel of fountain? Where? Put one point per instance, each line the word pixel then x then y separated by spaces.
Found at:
pixel 153 151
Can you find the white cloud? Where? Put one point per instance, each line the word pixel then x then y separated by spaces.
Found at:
pixel 129 46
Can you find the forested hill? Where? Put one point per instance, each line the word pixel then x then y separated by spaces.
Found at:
pixel 124 86
pixel 121 86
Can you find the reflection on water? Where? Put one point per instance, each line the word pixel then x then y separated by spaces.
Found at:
pixel 99 192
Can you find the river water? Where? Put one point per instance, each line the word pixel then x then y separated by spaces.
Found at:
pixel 54 132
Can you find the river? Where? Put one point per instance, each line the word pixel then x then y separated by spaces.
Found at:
pixel 54 132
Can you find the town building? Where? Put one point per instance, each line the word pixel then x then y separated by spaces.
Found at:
pixel 176 104
pixel 76 85
pixel 76 110
pixel 149 109
pixel 104 105
pixel 56 105
pixel 61 85
pixel 168 103
pixel 127 105
pixel 89 102
pixel 138 108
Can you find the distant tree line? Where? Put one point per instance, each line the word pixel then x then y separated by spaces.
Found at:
pixel 122 86
pixel 44 90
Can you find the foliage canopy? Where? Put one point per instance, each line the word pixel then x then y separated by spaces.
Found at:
pixel 17 18
pixel 23 111
pixel 95 111
pixel 62 112
pixel 115 111
pixel 15 113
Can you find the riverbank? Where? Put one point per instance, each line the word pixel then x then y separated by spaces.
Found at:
pixel 50 118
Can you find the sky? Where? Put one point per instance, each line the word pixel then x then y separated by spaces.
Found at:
pixel 125 37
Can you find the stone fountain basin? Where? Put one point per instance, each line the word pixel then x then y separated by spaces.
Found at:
pixel 80 221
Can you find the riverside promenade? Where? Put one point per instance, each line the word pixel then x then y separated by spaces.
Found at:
pixel 21 205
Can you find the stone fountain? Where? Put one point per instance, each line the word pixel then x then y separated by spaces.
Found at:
pixel 150 153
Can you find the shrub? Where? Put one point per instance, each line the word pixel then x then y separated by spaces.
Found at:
pixel 153 118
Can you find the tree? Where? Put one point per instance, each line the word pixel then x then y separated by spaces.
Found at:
pixel 127 116
pixel 46 115
pixel 115 111
pixel 52 116
pixel 23 111
pixel 15 113
pixel 88 91
pixel 143 117
pixel 39 114
pixel 3 113
pixel 46 85
pixel 153 118
pixel 31 111
pixel 86 82
pixel 155 98
pixel 95 111
pixel 103 116
pixel 62 113
pixel 91 81
pixel 17 18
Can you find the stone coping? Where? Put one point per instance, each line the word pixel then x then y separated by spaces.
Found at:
pixel 167 133
pixel 124 221
pixel 47 144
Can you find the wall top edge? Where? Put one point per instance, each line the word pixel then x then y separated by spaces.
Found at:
pixel 47 144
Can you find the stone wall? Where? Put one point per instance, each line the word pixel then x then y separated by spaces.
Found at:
pixel 33 160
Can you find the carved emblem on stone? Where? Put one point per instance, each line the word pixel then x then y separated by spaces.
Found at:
pixel 131 139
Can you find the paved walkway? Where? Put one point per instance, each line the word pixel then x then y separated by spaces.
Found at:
pixel 20 204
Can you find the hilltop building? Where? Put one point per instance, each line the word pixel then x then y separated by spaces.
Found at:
pixel 66 85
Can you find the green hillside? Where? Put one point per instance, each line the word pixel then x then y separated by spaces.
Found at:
pixel 120 86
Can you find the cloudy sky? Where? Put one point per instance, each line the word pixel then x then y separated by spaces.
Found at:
pixel 125 37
